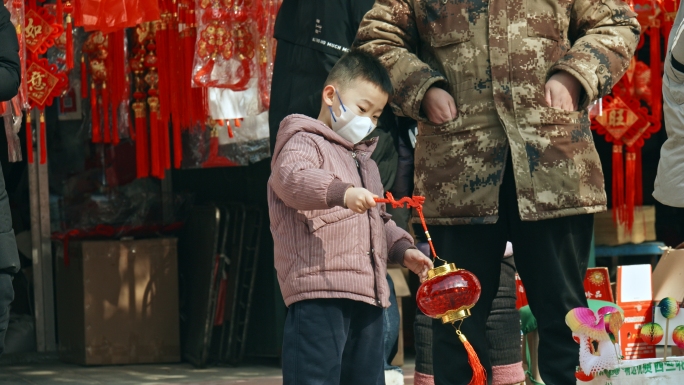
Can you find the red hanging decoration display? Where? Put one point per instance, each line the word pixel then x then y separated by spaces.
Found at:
pixel 45 83
pixel 225 40
pixel 449 292
pixel 96 47
pixel 634 111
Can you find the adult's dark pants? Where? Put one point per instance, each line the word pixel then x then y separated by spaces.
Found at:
pixel 551 257
pixel 333 341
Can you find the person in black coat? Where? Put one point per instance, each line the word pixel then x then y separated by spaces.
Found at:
pixel 10 78
pixel 10 69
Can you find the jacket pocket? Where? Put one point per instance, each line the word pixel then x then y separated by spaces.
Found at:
pixel 429 129
pixel 444 22
pixel 544 19
pixel 563 163
pixel 320 221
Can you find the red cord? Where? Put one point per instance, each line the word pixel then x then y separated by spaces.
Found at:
pixel 415 202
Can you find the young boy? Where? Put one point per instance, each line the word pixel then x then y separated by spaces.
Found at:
pixel 332 241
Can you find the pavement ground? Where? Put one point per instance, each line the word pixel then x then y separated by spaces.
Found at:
pixel 46 369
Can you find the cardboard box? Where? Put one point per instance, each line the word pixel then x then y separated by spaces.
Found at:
pixel 668 276
pixel 609 234
pixel 401 290
pixel 117 302
pixel 634 296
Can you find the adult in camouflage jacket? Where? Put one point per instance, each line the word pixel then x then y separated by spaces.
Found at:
pixel 500 90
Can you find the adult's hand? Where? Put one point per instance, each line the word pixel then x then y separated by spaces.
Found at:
pixel 562 91
pixel 439 106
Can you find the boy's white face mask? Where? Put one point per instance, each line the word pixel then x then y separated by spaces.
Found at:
pixel 349 125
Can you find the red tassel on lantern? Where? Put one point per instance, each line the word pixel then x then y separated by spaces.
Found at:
pixel 479 372
pixel 95 113
pixel 29 138
pixel 43 139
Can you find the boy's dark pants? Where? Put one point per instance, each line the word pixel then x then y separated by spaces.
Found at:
pixel 551 257
pixel 333 341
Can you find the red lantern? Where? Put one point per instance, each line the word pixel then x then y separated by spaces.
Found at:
pixel 449 292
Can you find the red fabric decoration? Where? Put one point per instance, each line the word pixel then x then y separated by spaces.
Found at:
pixel 113 15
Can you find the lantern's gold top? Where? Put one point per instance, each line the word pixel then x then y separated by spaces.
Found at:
pixel 455 315
pixel 442 270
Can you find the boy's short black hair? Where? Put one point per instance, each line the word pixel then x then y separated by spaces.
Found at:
pixel 357 64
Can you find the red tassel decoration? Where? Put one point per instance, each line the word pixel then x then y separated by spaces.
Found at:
pixel 115 125
pixel 639 180
pixel 230 129
pixel 29 138
pixel 43 139
pixel 84 78
pixel 162 56
pixel 94 110
pixel 165 145
pixel 69 9
pixel 630 189
pixel 69 43
pixel 618 187
pixel 479 372
pixel 141 149
pixel 59 12
pixel 105 114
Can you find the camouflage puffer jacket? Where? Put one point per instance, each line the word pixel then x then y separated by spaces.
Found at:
pixel 495 57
